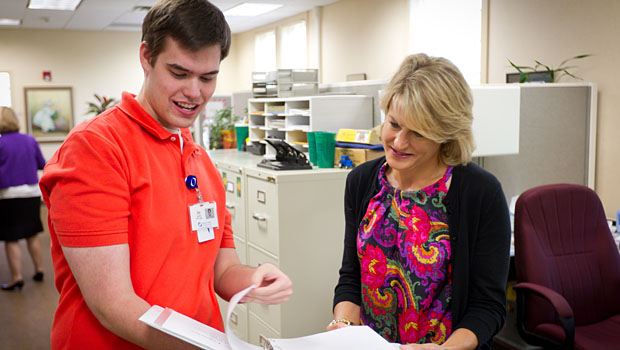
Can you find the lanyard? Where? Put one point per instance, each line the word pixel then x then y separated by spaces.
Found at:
pixel 192 183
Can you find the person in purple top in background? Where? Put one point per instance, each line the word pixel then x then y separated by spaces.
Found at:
pixel 20 197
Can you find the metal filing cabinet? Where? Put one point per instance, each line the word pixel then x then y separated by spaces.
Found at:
pixel 234 180
pixel 294 220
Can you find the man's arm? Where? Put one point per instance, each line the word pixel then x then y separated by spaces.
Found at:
pixel 102 273
pixel 273 286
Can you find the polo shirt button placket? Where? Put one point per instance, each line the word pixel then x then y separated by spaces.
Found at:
pixel 173 139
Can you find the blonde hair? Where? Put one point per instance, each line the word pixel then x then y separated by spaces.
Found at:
pixel 8 120
pixel 435 100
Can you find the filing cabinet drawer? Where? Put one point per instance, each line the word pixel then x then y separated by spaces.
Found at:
pixel 257 256
pixel 235 201
pixel 263 223
pixel 238 319
pixel 241 248
pixel 268 313
pixel 259 330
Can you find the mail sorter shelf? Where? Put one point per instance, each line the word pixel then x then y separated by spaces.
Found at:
pixel 287 76
pixel 263 89
pixel 285 83
pixel 286 227
pixel 292 118
pixel 297 89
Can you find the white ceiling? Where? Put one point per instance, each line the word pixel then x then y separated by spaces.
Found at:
pixel 120 14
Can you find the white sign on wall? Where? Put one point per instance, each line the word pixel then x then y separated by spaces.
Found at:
pixel 5 89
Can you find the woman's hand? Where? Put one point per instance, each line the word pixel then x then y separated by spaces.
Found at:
pixel 429 346
pixel 273 286
pixel 460 339
pixel 345 314
pixel 336 324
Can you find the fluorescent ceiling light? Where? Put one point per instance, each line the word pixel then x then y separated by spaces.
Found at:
pixel 248 9
pixel 10 22
pixel 68 5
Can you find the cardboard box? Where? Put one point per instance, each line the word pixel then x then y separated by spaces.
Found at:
pixel 357 155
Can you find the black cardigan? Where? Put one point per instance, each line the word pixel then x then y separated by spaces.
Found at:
pixel 480 240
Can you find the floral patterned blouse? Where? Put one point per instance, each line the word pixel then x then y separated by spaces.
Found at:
pixel 403 244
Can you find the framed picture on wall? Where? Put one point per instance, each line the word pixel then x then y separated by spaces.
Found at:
pixel 49 112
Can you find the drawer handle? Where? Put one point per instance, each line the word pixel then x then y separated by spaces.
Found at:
pixel 233 318
pixel 259 217
pixel 230 206
pixel 261 197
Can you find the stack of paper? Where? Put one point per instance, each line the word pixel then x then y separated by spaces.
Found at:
pixel 205 337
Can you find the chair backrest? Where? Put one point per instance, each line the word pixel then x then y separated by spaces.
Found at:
pixel 562 241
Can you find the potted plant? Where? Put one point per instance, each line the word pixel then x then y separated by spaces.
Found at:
pixel 101 105
pixel 222 130
pixel 546 73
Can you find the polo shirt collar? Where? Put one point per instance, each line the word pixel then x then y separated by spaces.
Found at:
pixel 134 110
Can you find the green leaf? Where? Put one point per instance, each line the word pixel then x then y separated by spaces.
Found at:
pixel 103 104
pixel 571 75
pixel 539 64
pixel 574 58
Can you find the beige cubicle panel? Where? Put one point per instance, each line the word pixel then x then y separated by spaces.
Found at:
pixel 557 134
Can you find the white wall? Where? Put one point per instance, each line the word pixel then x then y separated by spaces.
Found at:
pixel 105 63
pixel 551 31
pixel 369 36
pixel 356 36
pixel 364 36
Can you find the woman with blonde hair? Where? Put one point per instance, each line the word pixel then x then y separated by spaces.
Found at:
pixel 427 232
pixel 20 197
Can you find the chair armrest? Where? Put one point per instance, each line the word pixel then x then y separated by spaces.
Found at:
pixel 560 305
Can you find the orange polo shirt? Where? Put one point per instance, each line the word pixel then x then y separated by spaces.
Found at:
pixel 119 179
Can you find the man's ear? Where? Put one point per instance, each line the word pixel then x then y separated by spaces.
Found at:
pixel 145 57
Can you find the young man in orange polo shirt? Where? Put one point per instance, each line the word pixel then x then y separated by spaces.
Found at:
pixel 120 191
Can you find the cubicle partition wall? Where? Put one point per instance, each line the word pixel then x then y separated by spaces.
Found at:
pixel 556 130
pixel 557 138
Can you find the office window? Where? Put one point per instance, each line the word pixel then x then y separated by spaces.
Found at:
pixel 265 52
pixel 293 46
pixel 450 29
pixel 283 47
pixel 5 89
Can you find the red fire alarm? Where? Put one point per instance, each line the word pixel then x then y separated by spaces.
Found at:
pixel 47 75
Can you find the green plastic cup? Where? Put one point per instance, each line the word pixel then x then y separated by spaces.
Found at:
pixel 242 134
pixel 312 147
pixel 325 148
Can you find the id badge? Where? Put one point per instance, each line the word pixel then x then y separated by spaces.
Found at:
pixel 198 216
pixel 203 217
pixel 205 234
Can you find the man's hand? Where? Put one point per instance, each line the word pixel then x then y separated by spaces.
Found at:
pixel 272 286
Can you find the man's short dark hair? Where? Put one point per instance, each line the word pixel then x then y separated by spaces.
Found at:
pixel 194 24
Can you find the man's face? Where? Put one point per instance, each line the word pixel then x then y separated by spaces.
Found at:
pixel 179 84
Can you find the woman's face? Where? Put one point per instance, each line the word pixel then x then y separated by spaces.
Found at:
pixel 406 150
